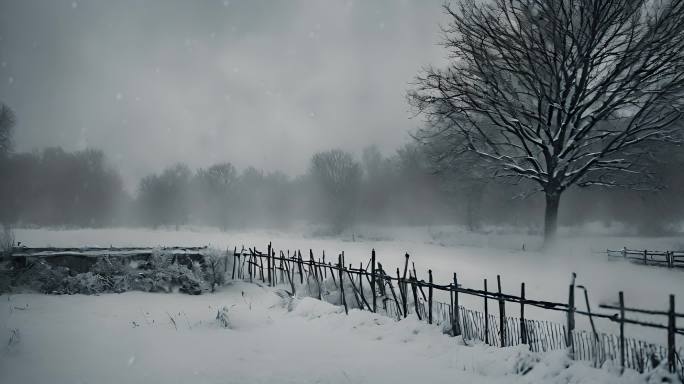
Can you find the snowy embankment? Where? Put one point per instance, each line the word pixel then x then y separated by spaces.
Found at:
pixel 173 338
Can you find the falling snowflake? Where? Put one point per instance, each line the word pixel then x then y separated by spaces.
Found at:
pixel 74 5
pixel 119 96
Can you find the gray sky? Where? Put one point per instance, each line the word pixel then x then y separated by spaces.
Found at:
pixel 263 83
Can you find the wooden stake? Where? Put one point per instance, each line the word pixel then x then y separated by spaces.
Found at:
pixel 456 327
pixel 268 261
pixel 430 297
pixel 344 300
pixel 250 265
pixel 486 313
pixel 671 329
pixel 571 317
pixel 402 293
pixel 325 271
pixel 375 303
pixel 502 313
pixel 234 257
pixel 405 285
pixel 299 264
pixel 621 303
pixel 523 325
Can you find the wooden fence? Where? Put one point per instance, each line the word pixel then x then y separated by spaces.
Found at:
pixel 400 293
pixel 669 259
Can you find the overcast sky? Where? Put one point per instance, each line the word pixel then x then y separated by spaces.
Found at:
pixel 263 83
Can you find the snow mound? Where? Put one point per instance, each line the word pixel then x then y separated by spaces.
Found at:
pixel 312 308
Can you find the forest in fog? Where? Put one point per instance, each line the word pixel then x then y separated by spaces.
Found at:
pixel 54 187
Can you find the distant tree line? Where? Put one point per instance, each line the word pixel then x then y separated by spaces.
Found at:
pixel 57 188
pixel 412 186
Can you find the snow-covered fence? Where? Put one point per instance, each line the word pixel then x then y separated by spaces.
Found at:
pixel 669 259
pixel 402 293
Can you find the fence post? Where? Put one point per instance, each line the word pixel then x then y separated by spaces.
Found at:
pixel 405 271
pixel 571 317
pixel 282 266
pixel 502 313
pixel 430 297
pixel 299 264
pixel 250 265
pixel 671 329
pixel 456 326
pixel 486 310
pixel 270 281
pixel 273 265
pixel 344 300
pixel 402 293
pixel 523 326
pixel 234 262
pixel 621 303
pixel 645 253
pixel 375 304
pixel 317 275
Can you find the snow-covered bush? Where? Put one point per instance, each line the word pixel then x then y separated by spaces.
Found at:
pixel 161 272
pixel 222 318
pixel 215 267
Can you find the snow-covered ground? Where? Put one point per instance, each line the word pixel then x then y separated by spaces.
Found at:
pixel 474 256
pixel 139 337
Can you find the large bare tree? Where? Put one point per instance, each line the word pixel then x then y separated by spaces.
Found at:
pixel 557 92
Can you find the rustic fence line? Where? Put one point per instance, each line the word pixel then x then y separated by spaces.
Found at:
pixel 669 259
pixel 401 293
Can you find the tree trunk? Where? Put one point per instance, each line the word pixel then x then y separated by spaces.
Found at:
pixel 551 216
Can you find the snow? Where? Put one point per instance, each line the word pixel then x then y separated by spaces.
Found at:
pixel 445 250
pixel 474 256
pixel 131 338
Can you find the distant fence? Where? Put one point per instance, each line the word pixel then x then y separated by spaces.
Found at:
pixel 669 259
pixel 375 289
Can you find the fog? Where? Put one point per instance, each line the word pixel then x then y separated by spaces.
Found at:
pixel 254 113
pixel 255 83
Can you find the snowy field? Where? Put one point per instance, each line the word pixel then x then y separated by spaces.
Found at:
pixel 474 256
pixel 173 338
pixel 131 337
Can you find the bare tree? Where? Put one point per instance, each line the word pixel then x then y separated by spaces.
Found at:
pixel 338 178
pixel 557 92
pixel 7 121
